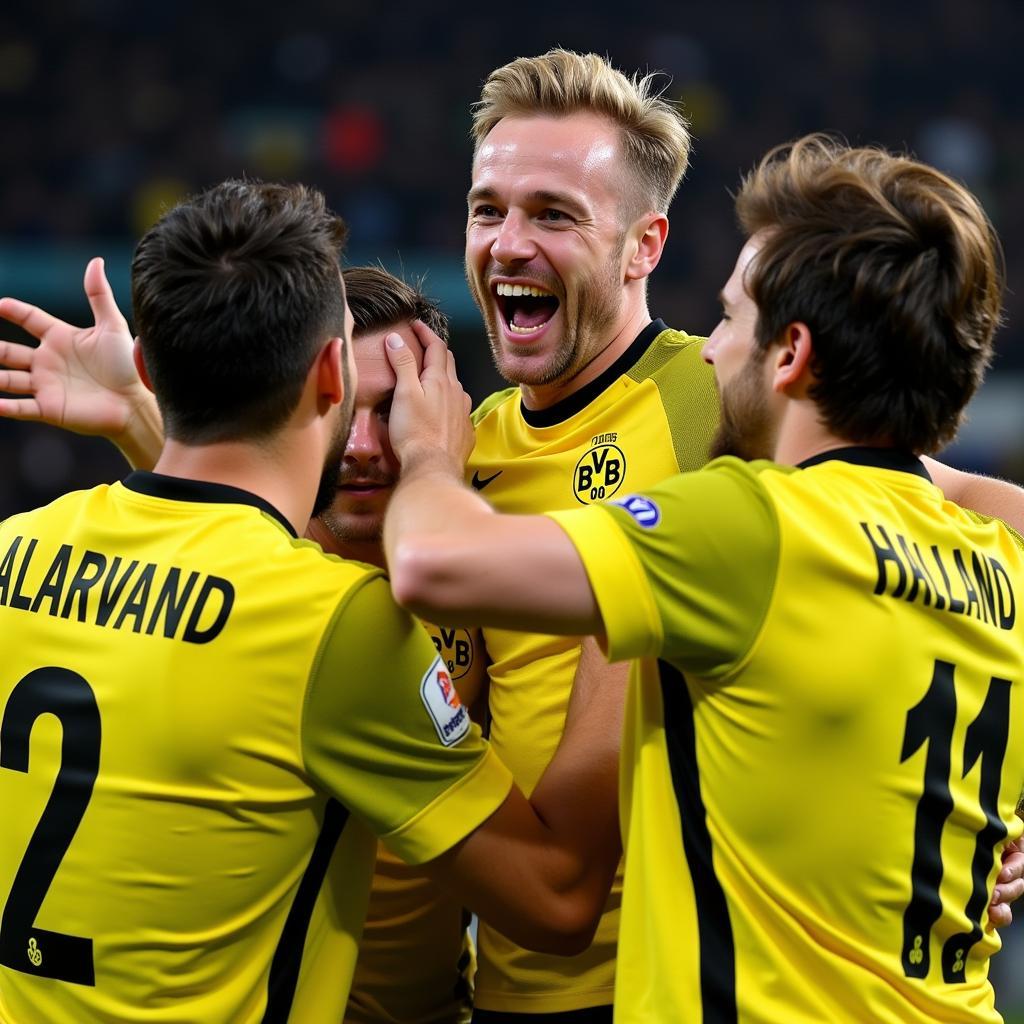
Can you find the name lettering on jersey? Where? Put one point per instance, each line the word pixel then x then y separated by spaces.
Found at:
pixel 107 591
pixel 600 470
pixel 441 700
pixel 957 581
pixel 455 646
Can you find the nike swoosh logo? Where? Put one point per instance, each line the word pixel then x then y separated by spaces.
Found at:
pixel 480 484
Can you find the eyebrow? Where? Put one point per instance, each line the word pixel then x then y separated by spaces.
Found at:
pixel 548 198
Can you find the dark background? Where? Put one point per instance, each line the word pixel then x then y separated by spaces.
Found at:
pixel 110 111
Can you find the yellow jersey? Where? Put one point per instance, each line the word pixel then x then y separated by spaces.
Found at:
pixel 648 416
pixel 824 740
pixel 204 723
pixel 416 960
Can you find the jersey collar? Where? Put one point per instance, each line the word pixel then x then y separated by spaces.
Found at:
pixel 572 404
pixel 880 458
pixel 176 488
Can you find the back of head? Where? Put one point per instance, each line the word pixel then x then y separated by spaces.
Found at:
pixel 897 272
pixel 379 300
pixel 655 138
pixel 234 292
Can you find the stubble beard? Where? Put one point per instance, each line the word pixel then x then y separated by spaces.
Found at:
pixel 327 487
pixel 745 429
pixel 598 301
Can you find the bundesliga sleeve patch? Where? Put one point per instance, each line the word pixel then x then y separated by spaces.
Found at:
pixel 642 509
pixel 447 712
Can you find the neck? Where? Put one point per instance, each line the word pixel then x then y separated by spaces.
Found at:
pixel 369 551
pixel 543 396
pixel 802 435
pixel 284 475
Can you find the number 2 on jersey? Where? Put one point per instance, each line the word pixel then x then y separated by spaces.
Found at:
pixel 65 694
pixel 931 721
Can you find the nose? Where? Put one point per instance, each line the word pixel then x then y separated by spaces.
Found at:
pixel 365 441
pixel 708 351
pixel 514 242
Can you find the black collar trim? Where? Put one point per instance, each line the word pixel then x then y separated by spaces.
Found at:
pixel 572 404
pixel 880 458
pixel 177 488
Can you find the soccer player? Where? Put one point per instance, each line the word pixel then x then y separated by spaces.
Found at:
pixel 824 746
pixel 414 963
pixel 204 719
pixel 574 169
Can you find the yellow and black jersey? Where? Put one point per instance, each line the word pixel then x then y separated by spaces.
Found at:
pixel 204 722
pixel 416 959
pixel 824 740
pixel 650 415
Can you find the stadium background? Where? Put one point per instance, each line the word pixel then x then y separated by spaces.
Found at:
pixel 111 110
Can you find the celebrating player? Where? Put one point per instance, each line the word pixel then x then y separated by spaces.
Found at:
pixel 574 170
pixel 823 752
pixel 200 714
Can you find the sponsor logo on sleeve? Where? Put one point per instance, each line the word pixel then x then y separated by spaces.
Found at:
pixel 440 698
pixel 642 509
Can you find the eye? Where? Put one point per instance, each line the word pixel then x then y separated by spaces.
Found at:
pixel 384 411
pixel 555 216
pixel 484 211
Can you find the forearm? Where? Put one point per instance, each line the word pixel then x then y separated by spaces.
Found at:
pixel 452 559
pixel 985 494
pixel 539 871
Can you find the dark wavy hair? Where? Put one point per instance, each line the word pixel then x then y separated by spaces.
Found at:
pixel 379 300
pixel 896 270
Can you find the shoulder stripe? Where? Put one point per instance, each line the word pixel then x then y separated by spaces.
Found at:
pixel 717 950
pixel 284 968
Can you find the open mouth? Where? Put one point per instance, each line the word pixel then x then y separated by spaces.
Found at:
pixel 525 308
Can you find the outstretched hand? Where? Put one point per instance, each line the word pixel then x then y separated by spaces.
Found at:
pixel 429 416
pixel 80 378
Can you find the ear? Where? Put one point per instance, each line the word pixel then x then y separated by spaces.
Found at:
pixel 792 355
pixel 140 365
pixel 647 241
pixel 327 367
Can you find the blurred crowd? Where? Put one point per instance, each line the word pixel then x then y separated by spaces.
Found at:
pixel 113 110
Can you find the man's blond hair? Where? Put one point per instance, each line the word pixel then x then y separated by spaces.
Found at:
pixel 655 135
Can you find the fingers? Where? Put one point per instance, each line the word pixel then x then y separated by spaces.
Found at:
pixel 99 293
pixel 16 356
pixel 20 409
pixel 1013 864
pixel 1000 916
pixel 403 362
pixel 435 351
pixel 31 318
pixel 17 382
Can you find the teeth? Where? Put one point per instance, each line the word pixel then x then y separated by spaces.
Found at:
pixel 523 330
pixel 513 290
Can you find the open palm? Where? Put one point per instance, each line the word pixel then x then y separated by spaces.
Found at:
pixel 79 378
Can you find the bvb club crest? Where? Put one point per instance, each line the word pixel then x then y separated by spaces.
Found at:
pixel 600 470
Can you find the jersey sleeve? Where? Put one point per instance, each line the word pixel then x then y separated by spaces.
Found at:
pixel 684 571
pixel 385 733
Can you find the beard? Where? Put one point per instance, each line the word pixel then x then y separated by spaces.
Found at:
pixel 745 429
pixel 332 461
pixel 596 306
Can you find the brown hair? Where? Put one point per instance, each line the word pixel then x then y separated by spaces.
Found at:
pixel 897 272
pixel 379 300
pixel 234 292
pixel 655 134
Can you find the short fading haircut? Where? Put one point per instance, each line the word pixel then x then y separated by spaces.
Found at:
pixel 379 300
pixel 896 270
pixel 234 292
pixel 655 135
